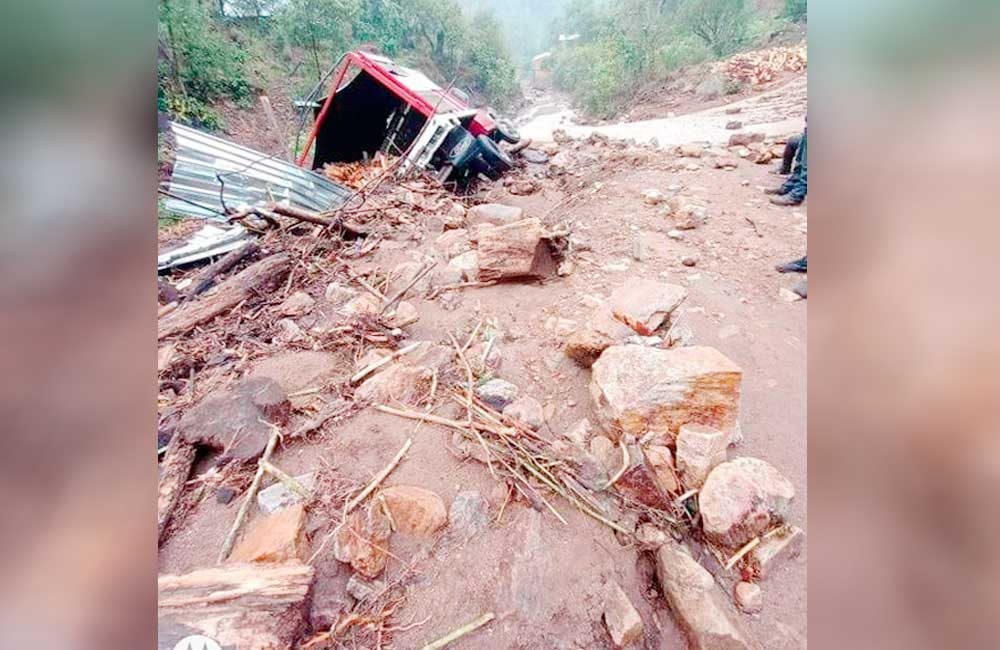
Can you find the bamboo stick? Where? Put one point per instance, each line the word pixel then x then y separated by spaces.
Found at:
pixel 227 545
pixel 379 478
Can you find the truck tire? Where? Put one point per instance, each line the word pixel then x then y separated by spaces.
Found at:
pixel 481 166
pixel 464 150
pixel 494 156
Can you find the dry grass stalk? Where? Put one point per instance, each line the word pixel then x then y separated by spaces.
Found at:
pixel 460 632
pixel 379 477
pixel 241 515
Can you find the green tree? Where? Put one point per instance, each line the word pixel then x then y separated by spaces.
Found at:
pixel 323 27
pixel 795 10
pixel 722 24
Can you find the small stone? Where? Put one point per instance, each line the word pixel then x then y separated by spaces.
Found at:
pixel 526 410
pixel 455 217
pixel 741 499
pixel 689 260
pixel 469 515
pixel 467 263
pixel 675 234
pixel 276 538
pixel 699 450
pixel 363 542
pixel 566 267
pixel 337 293
pixel 414 510
pixel 494 213
pixel 277 496
pixel 453 242
pixel 497 393
pixel 692 167
pixel 649 537
pixel 733 110
pixel 662 462
pixel 690 151
pixel 621 618
pixel 734 125
pixel 604 450
pixel 580 432
pixel 561 326
pixel 288 331
pixel 743 139
pixel 745 183
pixel 675 188
pixel 364 304
pixel 362 589
pixel 405 314
pixel 748 597
pixel 788 295
pixel 638 249
pixel 653 197
pixel 641 482
pixel 225 494
pixel 297 304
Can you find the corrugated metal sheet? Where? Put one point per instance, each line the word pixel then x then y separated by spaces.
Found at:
pixel 250 178
pixel 210 241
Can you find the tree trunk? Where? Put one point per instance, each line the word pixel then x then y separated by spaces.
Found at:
pixel 174 472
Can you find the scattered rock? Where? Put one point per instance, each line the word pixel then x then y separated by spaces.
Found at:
pixel 621 618
pixel 743 139
pixel 288 331
pixel 748 597
pixel 297 304
pixel 414 510
pixel 783 544
pixel 398 380
pixel 637 390
pixel 516 250
pixel 689 260
pixel 649 537
pixel 561 326
pixel 586 345
pixel 361 589
pixel 733 110
pixel 641 482
pixel 580 432
pixel 675 234
pixel 404 314
pixel 337 293
pixel 605 451
pixel 566 267
pixel 734 125
pixel 455 217
pixel 788 295
pixel 469 515
pixel 745 183
pixel 692 167
pixel 362 541
pixel 224 495
pixel 278 537
pixel 233 421
pixel 534 156
pixel 494 213
pixel 696 600
pixel 726 162
pixel 690 217
pixel 527 410
pixel 653 197
pixel 453 242
pixel 277 496
pixel 741 499
pixel 498 393
pixel 364 304
pixel 401 277
pixel 662 462
pixel 690 151
pixel 699 450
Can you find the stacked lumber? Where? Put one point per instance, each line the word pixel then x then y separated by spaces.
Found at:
pixel 765 65
pixel 356 174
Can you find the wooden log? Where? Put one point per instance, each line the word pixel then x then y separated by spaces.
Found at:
pixel 514 250
pixel 228 261
pixel 246 606
pixel 174 472
pixel 258 277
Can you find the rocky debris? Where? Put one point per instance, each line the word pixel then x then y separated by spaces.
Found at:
pixel 453 242
pixel 748 597
pixel 561 326
pixel 264 605
pixel 402 276
pixel 689 260
pixel 649 537
pixel 362 541
pixel 526 410
pixel 274 498
pixel 468 515
pixel 225 495
pixel 580 432
pixel 734 125
pixel 653 197
pixel 638 390
pixel 361 589
pixel 741 499
pixel 496 214
pixel 235 421
pixel 455 216
pixel 690 151
pixel 404 314
pixel 711 87
pixel 745 138
pixel 337 294
pixel 788 295
pixel 363 304
pixel 516 250
pixel 699 450
pixel 484 359
pixel 646 305
pixel 297 304
pixel 277 537
pixel 605 452
pixel 640 481
pixel 522 186
pixel 725 162
pixel 661 460
pixel 675 234
pixel 621 618
pixel 692 167
pixel 534 156
pixel 288 331
pixel 498 393
pixel 566 267
pixel 733 110
pixel 397 381
pixel 696 600
pixel 782 544
pixel 690 217
pixel 466 265
pixel 414 510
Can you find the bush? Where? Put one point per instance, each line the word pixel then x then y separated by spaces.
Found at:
pixel 597 75
pixel 795 10
pixel 721 24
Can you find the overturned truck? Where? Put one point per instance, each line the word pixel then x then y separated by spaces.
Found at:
pixel 374 105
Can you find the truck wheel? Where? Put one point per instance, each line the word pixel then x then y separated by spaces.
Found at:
pixel 493 155
pixel 507 132
pixel 464 150
pixel 481 166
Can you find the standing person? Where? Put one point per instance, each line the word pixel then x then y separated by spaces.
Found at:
pixel 788 157
pixel 793 190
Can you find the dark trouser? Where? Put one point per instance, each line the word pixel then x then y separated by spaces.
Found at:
pixel 791 148
pixel 796 185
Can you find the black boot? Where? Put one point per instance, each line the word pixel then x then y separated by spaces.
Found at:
pixel 797 266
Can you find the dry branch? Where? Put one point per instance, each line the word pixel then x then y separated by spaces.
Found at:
pixel 227 545
pixel 460 632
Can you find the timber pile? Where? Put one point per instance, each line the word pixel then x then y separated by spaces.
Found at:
pixel 357 174
pixel 765 65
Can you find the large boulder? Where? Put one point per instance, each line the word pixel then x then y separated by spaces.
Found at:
pixel 646 305
pixel 517 250
pixel 496 214
pixel 638 390
pixel 741 499
pixel 414 510
pixel 696 600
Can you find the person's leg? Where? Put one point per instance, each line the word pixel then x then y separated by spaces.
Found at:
pixel 790 154
pixel 793 192
pixel 795 266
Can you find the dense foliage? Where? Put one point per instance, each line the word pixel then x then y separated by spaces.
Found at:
pixel 206 57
